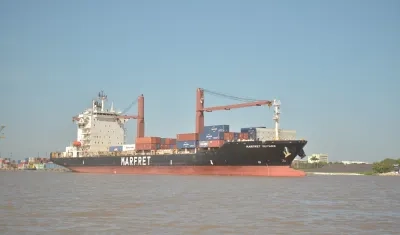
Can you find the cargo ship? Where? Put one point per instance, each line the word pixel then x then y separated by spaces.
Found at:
pixel 212 150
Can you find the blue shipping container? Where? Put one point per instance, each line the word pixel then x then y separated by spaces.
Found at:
pixel 209 135
pixel 247 129
pixel 217 128
pixel 186 144
pixel 115 148
pixel 203 144
pixel 236 136
pixel 172 146
pixel 52 166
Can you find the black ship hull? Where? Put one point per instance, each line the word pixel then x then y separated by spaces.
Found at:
pixel 270 158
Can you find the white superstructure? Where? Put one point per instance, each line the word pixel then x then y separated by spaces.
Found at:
pixel 98 129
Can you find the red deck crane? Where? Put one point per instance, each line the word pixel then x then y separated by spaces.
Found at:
pixel 139 117
pixel 200 109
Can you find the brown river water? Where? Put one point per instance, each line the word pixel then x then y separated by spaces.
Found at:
pixel 70 203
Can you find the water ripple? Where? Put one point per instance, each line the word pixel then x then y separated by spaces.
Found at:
pixel 66 203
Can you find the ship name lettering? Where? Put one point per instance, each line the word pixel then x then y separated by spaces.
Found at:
pixel 135 161
pixel 269 146
pixel 253 146
pixel 261 146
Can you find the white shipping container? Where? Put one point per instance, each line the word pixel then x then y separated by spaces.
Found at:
pixel 128 147
pixel 287 134
pixel 265 134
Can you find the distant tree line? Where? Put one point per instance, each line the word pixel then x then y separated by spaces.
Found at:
pixel 385 165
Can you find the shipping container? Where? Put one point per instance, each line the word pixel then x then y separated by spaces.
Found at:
pixel 115 149
pixel 203 144
pixel 164 146
pixel 148 140
pixel 187 137
pixel 265 134
pixel 217 128
pixel 215 143
pixel 251 133
pixel 246 129
pixel 230 136
pixel 187 144
pixel 236 136
pixel 287 134
pixel 209 135
pixel 128 147
pixel 244 136
pixel 173 146
pixel 170 141
pixel 49 166
pixel 147 146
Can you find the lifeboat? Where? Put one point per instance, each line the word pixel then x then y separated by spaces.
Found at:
pixel 76 143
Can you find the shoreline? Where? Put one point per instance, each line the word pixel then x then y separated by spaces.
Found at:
pixel 41 170
pixel 358 174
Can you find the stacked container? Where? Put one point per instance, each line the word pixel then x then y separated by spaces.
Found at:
pixel 231 136
pixel 168 143
pixel 148 143
pixel 187 140
pixel 214 136
pixel 264 134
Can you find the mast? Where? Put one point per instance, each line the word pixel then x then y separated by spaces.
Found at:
pixel 103 98
pixel 277 112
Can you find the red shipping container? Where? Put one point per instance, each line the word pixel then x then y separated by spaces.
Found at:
pixel 147 146
pixel 244 136
pixel 170 141
pixel 215 143
pixel 187 136
pixel 229 136
pixel 148 140
pixel 165 146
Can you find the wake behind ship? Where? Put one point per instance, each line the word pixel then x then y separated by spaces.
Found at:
pixel 211 150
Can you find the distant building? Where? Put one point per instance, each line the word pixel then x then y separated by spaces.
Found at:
pixel 319 157
pixel 353 162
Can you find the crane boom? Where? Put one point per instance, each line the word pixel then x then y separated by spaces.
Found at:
pixel 237 106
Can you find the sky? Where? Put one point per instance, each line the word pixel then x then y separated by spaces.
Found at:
pixel 334 65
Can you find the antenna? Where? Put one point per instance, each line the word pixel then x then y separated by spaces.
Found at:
pixel 103 98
